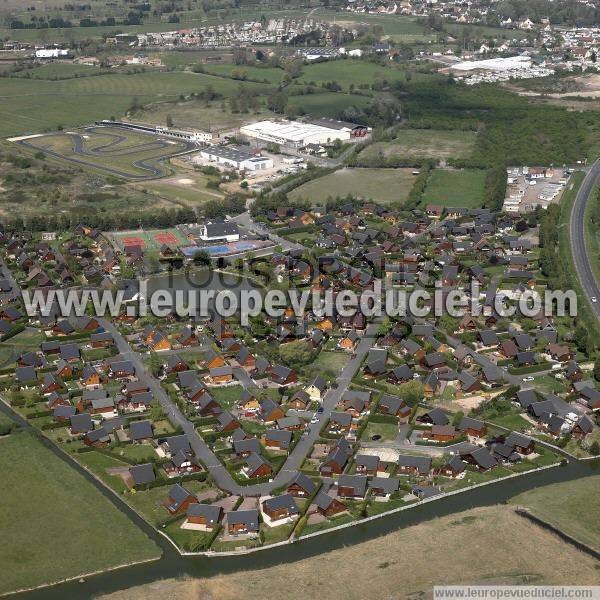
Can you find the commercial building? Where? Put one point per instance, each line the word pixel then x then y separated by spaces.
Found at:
pixel 48 53
pixel 294 133
pixel 236 158
pixel 222 231
pixel 193 135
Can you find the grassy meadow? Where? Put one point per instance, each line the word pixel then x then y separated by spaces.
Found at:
pixel 424 143
pixel 383 185
pixel 455 188
pixel 47 507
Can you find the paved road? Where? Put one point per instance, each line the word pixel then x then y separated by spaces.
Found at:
pixel 153 166
pixel 245 220
pixel 203 452
pixel 577 234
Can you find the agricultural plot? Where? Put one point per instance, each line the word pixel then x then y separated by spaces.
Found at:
pixel 380 185
pixel 327 104
pixel 425 143
pixel 117 152
pixel 348 72
pixel 455 188
pixel 34 106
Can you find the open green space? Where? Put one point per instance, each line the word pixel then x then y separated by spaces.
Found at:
pixel 34 106
pixel 327 104
pixel 380 185
pixel 571 506
pixel 349 72
pixel 455 188
pixel 54 523
pixel 426 143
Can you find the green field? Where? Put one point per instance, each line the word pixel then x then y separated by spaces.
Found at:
pixel 426 143
pixel 327 104
pixel 380 185
pixel 35 106
pixel 347 72
pixel 54 523
pixel 571 506
pixel 455 188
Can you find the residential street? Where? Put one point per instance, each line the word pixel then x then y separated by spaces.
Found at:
pixel 202 451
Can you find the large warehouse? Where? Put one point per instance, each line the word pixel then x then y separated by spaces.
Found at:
pixel 235 157
pixel 294 133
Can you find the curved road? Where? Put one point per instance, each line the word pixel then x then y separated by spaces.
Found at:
pixel 202 450
pixel 577 235
pixel 152 165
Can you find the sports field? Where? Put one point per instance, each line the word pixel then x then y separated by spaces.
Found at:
pixel 150 239
pixel 426 143
pixel 54 523
pixel 455 188
pixel 380 185
pixel 110 150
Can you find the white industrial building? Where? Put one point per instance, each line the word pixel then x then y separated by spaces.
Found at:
pixel 52 53
pixel 293 133
pixel 235 157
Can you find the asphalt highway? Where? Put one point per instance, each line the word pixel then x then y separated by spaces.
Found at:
pixel 579 250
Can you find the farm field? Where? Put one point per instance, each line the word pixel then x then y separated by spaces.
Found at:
pixel 426 143
pixel 327 104
pixel 455 188
pixel 51 507
pixel 118 152
pixel 381 185
pixel 569 506
pixel 524 554
pixel 35 106
pixel 347 72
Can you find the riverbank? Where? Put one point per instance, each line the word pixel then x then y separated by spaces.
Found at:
pixel 483 545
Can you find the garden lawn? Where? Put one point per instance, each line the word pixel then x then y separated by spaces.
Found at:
pixel 54 523
pixel 463 188
pixel 380 185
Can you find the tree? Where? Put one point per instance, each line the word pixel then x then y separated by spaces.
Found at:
pixel 202 258
pixel 296 354
pixel 169 121
pixel 412 392
pixel 597 369
pixel 595 448
pixel 457 418
pixel 277 102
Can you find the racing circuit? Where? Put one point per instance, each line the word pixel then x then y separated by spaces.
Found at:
pixel 132 155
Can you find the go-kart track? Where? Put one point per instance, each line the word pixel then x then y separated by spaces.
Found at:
pixel 132 155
